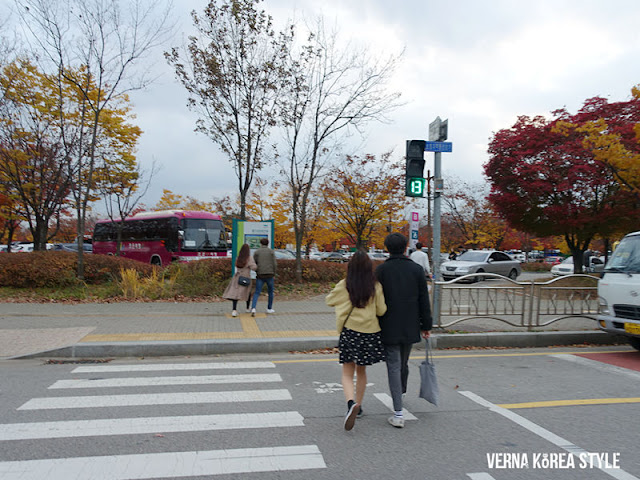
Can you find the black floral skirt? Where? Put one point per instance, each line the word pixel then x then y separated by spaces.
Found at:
pixel 361 348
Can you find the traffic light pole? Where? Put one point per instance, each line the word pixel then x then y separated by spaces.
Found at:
pixel 414 187
pixel 436 239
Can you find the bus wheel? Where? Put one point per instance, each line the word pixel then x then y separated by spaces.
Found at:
pixel 156 262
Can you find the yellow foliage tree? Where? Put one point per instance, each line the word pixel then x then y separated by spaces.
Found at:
pixel 169 201
pixel 364 198
pixel 614 138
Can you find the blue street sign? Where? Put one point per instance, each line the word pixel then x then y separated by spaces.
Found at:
pixel 438 147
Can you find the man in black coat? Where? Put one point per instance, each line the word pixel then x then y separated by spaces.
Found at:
pixel 408 316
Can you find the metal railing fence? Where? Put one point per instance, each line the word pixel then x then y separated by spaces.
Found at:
pixel 519 304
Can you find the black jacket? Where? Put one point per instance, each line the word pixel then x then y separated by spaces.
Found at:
pixel 407 299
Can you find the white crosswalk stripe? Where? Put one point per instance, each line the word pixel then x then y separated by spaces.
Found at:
pixel 122 465
pixel 163 381
pixel 98 401
pixel 131 426
pixel 167 465
pixel 166 367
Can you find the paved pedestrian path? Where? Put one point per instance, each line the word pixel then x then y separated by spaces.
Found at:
pixel 137 328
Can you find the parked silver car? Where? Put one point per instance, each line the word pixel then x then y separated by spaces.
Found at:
pixel 480 261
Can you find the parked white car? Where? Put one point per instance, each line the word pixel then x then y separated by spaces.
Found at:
pixel 596 265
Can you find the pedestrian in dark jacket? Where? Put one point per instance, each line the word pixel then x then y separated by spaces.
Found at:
pixel 266 260
pixel 408 316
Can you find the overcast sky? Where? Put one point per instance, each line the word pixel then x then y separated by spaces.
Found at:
pixel 477 64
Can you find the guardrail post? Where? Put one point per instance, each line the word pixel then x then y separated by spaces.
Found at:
pixel 531 295
pixel 435 313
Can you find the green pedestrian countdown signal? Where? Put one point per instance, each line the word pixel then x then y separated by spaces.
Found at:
pixel 414 176
pixel 415 186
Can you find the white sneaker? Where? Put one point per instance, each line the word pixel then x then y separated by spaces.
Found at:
pixel 253 312
pixel 397 422
pixel 234 313
pixel 270 310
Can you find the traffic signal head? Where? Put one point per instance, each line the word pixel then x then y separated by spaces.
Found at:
pixel 415 158
pixel 415 168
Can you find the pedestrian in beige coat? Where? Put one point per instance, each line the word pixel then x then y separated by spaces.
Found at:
pixel 235 291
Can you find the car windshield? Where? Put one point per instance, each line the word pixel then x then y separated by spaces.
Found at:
pixel 626 258
pixel 470 256
pixel 568 261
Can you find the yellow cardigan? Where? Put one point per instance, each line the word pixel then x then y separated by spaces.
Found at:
pixel 364 320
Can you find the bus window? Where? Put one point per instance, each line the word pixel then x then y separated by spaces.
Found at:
pixel 203 234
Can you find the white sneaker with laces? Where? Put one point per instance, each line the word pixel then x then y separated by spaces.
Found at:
pixel 397 422
pixel 270 310
pixel 234 313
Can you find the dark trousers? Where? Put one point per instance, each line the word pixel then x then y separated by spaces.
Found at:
pixel 398 371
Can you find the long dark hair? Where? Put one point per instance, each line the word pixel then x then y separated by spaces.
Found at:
pixel 361 282
pixel 243 256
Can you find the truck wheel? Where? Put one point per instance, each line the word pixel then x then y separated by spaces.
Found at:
pixel 635 342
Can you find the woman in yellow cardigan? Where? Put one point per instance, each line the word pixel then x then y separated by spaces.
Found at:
pixel 359 302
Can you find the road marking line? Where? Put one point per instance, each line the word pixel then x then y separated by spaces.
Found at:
pixel 170 367
pixel 574 450
pixel 388 402
pixel 136 426
pixel 130 400
pixel 164 381
pixel 570 403
pixel 165 336
pixel 167 465
pixel 480 476
pixel 462 355
pixel 605 367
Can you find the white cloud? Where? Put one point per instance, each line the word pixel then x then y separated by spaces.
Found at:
pixel 479 64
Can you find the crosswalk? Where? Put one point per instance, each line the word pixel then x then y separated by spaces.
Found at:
pixel 206 379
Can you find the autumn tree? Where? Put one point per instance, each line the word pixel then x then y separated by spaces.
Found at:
pixel 468 210
pixel 334 89
pixel 612 135
pixel 271 201
pixel 33 165
pixel 94 46
pixel 364 196
pixel 174 201
pixel 234 73
pixel 546 182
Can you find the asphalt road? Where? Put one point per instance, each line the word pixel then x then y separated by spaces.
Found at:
pixel 504 414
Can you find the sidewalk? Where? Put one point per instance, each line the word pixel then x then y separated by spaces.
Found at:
pixel 165 329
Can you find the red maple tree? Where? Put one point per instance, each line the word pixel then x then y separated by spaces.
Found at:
pixel 545 180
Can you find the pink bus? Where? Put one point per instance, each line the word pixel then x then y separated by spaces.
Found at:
pixel 162 237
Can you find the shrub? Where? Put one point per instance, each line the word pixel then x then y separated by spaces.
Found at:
pixel 536 267
pixel 58 269
pixel 206 277
pixel 135 280
pixel 155 286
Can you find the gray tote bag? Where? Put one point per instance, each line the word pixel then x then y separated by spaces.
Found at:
pixel 428 381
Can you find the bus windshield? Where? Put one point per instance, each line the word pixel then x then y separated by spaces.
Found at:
pixel 626 257
pixel 203 234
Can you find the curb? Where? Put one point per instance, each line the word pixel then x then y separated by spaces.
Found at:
pixel 284 345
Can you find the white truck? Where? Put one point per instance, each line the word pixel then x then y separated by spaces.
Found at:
pixel 619 291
